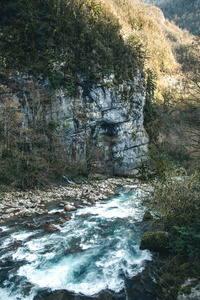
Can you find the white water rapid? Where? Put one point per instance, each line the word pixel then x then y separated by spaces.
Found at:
pixel 96 250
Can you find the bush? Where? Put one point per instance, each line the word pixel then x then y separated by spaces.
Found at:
pixel 177 203
pixel 186 240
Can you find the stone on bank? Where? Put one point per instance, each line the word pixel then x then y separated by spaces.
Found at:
pixel 155 241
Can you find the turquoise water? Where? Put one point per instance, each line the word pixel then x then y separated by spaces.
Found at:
pixel 96 250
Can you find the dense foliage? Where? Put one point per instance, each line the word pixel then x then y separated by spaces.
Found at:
pixel 62 39
pixel 185 13
pixel 57 43
pixel 31 152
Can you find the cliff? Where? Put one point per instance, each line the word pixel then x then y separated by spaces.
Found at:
pixel 72 77
pixel 71 92
pixel 101 127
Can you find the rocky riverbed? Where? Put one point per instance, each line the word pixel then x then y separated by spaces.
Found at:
pixel 72 196
pixel 45 257
pixel 34 208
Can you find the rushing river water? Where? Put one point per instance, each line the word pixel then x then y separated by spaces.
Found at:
pixel 96 250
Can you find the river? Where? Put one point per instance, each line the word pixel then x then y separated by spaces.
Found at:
pixel 97 249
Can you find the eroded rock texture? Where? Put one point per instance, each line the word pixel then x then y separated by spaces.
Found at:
pixel 102 125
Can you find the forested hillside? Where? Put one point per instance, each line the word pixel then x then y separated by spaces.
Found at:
pixel 185 13
pixel 171 62
pixel 61 39
pixel 58 44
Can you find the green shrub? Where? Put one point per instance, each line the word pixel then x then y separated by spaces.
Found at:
pixel 177 203
pixel 159 162
pixel 61 39
pixel 186 240
pixel 149 112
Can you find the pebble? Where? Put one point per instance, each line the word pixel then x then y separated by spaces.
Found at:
pixel 69 208
pixel 18 203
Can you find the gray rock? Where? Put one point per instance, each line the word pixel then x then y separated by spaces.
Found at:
pixel 109 120
pixel 69 208
pixel 190 290
pixel 147 216
pixel 46 294
pixel 155 241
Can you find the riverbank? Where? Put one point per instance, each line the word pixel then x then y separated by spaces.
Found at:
pixel 19 203
pixel 45 257
pixel 162 278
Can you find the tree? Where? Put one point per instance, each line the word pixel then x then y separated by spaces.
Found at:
pixel 193 88
pixel 10 119
pixel 11 136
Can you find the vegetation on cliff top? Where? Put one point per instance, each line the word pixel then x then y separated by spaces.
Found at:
pixel 65 39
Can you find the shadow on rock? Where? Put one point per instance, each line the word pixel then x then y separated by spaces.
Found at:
pixel 66 295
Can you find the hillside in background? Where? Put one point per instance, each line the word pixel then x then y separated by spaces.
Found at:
pixel 185 13
pixel 63 40
pixel 172 58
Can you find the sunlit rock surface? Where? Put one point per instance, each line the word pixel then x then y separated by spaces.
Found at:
pixel 101 125
pixel 105 123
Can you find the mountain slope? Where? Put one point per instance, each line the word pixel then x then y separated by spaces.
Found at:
pixel 76 37
pixel 185 13
pixel 161 39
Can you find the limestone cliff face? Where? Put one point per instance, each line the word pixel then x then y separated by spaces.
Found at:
pixel 103 125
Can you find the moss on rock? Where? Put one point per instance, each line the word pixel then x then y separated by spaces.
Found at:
pixel 155 241
pixel 147 216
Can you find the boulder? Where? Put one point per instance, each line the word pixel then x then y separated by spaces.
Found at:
pixel 52 228
pixel 69 208
pixel 141 287
pixel 190 290
pixel 155 241
pixel 46 294
pixel 147 216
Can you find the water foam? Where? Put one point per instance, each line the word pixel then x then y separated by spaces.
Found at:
pixel 6 294
pixel 21 236
pixel 99 245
